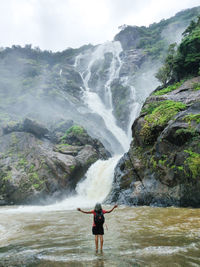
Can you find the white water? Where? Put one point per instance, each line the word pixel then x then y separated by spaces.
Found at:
pixel 92 99
pixel 93 189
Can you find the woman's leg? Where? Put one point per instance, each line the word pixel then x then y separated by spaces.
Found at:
pixel 101 240
pixel 96 242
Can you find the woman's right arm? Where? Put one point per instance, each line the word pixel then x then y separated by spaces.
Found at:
pixel 86 212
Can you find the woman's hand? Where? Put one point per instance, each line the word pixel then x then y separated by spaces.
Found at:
pixel 115 206
pixel 78 209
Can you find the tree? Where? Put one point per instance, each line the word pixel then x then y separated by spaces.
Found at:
pixel 163 74
pixel 166 72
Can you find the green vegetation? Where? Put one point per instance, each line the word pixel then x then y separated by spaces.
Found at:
pixel 75 129
pixel 193 162
pixel 22 162
pixel 7 176
pixel 192 117
pixel 164 112
pixel 168 89
pixel 159 117
pixel 150 107
pixel 72 167
pixel 196 86
pixel 183 131
pixel 184 60
pixel 154 39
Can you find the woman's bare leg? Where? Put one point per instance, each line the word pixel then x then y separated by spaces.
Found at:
pixel 96 242
pixel 101 240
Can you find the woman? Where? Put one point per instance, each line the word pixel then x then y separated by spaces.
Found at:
pixel 97 228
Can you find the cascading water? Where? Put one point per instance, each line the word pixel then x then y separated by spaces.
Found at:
pixel 92 98
pixel 99 177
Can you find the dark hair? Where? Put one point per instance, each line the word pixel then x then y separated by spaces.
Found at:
pixel 98 207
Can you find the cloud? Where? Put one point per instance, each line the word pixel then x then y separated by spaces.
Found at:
pixel 58 24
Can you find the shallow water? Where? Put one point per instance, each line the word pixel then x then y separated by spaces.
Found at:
pixel 136 236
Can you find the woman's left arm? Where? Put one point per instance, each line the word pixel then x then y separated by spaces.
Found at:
pixel 109 211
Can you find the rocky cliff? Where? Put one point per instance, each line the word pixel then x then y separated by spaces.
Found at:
pixel 74 97
pixel 162 166
pixel 38 165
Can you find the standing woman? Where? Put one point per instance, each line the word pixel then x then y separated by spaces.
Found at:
pixel 97 228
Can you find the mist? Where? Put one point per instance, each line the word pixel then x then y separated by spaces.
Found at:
pixel 57 25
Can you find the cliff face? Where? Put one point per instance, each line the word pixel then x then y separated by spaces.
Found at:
pixel 38 164
pixel 162 166
pixel 97 87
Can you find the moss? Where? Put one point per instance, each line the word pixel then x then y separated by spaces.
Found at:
pixel 196 86
pixel 153 163
pixel 72 167
pixel 14 139
pixel 22 162
pixel 193 162
pixel 36 186
pixel 192 117
pixel 164 112
pixel 128 164
pixel 162 162
pixel 91 160
pixel 159 117
pixel 180 168
pixel 31 168
pixel 150 107
pixel 185 131
pixel 168 89
pixel 76 129
pixel 7 176
pixel 34 176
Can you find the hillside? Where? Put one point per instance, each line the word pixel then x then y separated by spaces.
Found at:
pixel 61 112
pixel 162 166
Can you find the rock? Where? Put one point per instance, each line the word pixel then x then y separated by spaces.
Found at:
pixel 129 37
pixel 28 125
pixel 162 166
pixel 33 170
pixel 77 136
pixel 34 127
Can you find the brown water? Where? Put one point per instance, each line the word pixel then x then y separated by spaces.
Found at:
pixel 137 236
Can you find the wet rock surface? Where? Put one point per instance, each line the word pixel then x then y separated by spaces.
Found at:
pixel 162 167
pixel 34 169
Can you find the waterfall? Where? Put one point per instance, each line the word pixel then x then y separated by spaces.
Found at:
pixel 98 179
pixel 93 189
pixel 92 98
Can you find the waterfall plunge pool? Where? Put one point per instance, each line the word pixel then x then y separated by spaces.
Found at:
pixel 136 236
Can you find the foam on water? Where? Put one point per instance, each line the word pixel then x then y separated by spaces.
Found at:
pixel 93 189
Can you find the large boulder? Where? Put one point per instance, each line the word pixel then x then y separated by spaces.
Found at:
pixel 28 125
pixel 33 169
pixel 162 166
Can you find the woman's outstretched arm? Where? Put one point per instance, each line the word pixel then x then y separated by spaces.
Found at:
pixel 109 211
pixel 86 212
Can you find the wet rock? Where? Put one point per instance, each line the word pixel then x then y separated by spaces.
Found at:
pixel 34 170
pixel 162 165
pixel 34 127
pixel 28 125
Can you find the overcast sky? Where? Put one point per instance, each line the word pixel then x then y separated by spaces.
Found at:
pixel 58 24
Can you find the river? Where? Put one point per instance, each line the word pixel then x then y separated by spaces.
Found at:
pixel 136 236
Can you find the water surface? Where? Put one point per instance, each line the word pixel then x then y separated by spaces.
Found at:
pixel 136 236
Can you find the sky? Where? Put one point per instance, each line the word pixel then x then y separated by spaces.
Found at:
pixel 59 24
